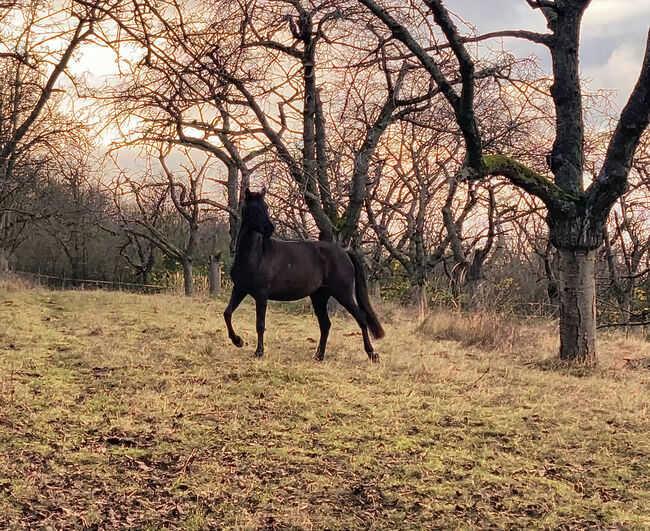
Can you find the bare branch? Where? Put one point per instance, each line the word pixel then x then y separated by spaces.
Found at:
pixel 612 181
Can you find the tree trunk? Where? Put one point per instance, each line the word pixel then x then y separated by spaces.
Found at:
pixel 552 289
pixel 148 267
pixel 578 305
pixel 214 275
pixel 419 298
pixel 374 288
pixel 475 291
pixel 475 282
pixel 233 204
pixel 187 277
pixel 4 261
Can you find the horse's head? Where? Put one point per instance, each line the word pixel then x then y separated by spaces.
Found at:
pixel 255 214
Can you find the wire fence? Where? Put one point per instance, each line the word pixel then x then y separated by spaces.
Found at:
pixel 63 282
pixel 174 283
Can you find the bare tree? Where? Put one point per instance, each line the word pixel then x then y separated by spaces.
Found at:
pixel 304 34
pixel 175 96
pixel 31 127
pixel 420 162
pixel 576 215
pixel 627 249
pixel 155 196
pixel 74 205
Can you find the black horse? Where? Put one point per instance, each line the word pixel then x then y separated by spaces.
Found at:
pixel 266 269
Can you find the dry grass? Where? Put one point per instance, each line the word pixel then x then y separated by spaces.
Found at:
pixel 489 331
pixel 121 410
pixel 12 282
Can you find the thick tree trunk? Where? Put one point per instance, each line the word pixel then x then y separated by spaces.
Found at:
pixel 578 305
pixel 187 277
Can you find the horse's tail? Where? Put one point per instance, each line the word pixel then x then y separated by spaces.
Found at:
pixel 363 301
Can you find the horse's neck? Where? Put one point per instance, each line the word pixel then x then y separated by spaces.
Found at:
pixel 249 246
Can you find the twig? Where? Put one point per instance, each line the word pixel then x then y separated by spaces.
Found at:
pixel 634 323
pixel 481 377
pixel 473 385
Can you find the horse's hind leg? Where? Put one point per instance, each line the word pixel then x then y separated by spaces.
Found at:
pixel 348 302
pixel 319 300
pixel 260 323
pixel 236 297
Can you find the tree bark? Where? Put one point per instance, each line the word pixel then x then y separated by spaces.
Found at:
pixel 475 291
pixel 419 299
pixel 4 261
pixel 187 277
pixel 578 305
pixel 214 275
pixel 148 266
pixel 552 289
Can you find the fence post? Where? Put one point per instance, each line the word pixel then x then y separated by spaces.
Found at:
pixel 214 274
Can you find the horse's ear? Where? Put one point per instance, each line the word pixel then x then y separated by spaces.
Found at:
pixel 247 193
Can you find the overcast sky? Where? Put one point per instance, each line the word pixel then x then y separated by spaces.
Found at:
pixel 613 36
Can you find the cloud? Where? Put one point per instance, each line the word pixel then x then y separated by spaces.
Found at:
pixel 615 17
pixel 619 72
pixel 613 36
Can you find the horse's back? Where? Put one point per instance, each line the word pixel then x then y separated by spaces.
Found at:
pixel 326 256
pixel 300 268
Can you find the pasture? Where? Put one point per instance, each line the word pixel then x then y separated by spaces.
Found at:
pixel 135 411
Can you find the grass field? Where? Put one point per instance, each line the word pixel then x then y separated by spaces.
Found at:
pixel 121 410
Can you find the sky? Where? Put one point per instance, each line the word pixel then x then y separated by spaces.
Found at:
pixel 613 38
pixel 613 34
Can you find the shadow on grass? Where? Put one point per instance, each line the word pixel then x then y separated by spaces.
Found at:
pixel 555 364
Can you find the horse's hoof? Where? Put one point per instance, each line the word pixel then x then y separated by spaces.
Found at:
pixel 318 357
pixel 238 342
pixel 259 353
pixel 374 358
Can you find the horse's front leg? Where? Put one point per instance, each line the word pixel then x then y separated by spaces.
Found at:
pixel 236 297
pixel 260 323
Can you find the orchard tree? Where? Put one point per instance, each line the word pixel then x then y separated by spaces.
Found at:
pixel 37 43
pixel 168 207
pixel 297 41
pixel 173 98
pixel 577 214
